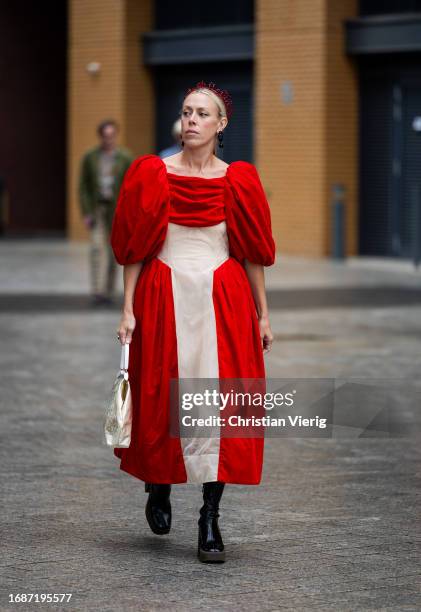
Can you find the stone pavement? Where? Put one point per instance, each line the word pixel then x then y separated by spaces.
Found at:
pixel 335 524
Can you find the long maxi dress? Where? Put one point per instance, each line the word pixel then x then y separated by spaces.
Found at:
pixel 194 309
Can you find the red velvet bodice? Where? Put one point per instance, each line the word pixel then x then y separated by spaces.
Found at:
pixel 150 198
pixel 196 201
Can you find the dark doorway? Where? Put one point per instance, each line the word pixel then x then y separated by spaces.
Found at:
pixel 33 45
pixel 390 154
pixel 170 15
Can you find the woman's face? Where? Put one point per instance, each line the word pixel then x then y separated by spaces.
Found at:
pixel 199 120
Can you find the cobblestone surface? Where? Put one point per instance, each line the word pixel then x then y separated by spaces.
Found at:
pixel 335 524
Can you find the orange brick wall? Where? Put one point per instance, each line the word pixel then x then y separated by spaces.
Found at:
pixel 342 120
pixel 304 146
pixel 105 31
pixel 139 101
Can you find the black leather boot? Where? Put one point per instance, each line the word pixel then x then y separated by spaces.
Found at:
pixel 158 507
pixel 210 545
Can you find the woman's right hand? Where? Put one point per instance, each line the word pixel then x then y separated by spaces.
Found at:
pixel 126 327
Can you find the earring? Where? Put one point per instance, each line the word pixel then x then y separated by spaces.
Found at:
pixel 182 143
pixel 220 138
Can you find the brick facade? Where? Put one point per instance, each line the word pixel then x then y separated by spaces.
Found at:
pixel 304 146
pixel 106 31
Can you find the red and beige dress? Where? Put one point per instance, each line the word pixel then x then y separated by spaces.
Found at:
pixel 194 309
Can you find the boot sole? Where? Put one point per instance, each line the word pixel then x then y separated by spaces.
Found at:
pixel 211 557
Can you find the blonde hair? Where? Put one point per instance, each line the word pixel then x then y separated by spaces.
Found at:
pixel 222 111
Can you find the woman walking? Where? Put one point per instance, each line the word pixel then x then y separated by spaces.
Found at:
pixel 193 235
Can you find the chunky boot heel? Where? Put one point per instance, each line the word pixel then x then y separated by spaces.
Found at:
pixel 158 507
pixel 210 547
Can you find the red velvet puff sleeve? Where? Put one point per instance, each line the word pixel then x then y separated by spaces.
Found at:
pixel 248 219
pixel 141 215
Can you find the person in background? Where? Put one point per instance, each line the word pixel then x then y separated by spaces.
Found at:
pixel 101 174
pixel 176 147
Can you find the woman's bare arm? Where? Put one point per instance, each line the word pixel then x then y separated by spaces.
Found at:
pixel 128 322
pixel 256 276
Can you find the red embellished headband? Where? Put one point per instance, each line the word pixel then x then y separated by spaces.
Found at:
pixel 221 93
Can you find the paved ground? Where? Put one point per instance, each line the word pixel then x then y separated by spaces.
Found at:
pixel 335 524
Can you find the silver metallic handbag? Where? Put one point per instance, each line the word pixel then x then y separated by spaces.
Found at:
pixel 119 410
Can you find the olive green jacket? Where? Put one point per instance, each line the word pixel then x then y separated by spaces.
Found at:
pixel 88 180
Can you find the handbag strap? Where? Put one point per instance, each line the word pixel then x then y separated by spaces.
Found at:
pixel 124 359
